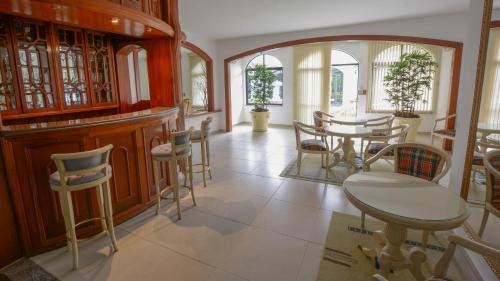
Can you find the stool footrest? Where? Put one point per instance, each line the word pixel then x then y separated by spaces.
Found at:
pixel 89 220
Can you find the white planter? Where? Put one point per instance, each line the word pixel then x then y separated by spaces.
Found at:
pixel 414 125
pixel 260 120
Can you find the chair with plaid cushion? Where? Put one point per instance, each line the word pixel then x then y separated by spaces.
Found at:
pixel 440 130
pixel 441 268
pixel 418 160
pixel 380 127
pixel 322 119
pixel 479 152
pixel 492 165
pixel 382 138
pixel 311 146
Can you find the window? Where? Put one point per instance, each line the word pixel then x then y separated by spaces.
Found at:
pixel 138 75
pixel 199 82
pixel 344 80
pixel 380 67
pixel 274 65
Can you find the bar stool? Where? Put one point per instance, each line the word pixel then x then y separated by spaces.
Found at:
pixel 79 171
pixel 179 148
pixel 201 136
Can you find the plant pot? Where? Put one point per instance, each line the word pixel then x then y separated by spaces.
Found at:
pixel 260 120
pixel 414 125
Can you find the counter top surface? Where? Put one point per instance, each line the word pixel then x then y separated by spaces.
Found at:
pixel 85 122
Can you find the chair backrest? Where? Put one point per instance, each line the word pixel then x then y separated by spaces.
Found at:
pixel 420 160
pixel 205 127
pixel 492 166
pixel 399 133
pixel 318 118
pixel 79 163
pixel 384 122
pixel 181 142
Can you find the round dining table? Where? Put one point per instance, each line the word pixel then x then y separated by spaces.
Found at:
pixel 402 202
pixel 347 133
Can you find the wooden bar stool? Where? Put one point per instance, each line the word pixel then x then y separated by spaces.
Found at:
pixel 201 136
pixel 179 148
pixel 79 171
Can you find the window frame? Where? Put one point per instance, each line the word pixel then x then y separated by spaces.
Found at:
pixel 369 106
pixel 345 64
pixel 247 69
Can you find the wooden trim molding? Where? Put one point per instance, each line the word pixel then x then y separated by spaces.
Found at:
pixel 210 70
pixel 476 102
pixel 457 46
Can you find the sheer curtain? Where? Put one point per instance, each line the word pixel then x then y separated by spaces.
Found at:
pixel 490 101
pixel 312 71
pixel 198 80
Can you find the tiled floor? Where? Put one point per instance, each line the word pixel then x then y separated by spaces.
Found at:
pixel 249 224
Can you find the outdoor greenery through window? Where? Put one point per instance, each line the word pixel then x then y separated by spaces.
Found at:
pixel 381 65
pixel 273 64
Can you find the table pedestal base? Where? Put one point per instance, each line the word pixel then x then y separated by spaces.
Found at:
pixel 390 255
pixel 349 156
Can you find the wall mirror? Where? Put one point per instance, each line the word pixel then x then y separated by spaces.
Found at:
pixel 133 78
pixel 197 80
pixel 482 188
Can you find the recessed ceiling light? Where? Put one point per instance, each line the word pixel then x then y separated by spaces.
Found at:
pixel 115 20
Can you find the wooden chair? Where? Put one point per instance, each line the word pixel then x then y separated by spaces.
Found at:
pixel 179 148
pixel 378 125
pixel 201 136
pixel 492 204
pixel 322 119
pixel 382 138
pixel 418 160
pixel 442 133
pixel 80 171
pixel 479 153
pixel 311 146
pixel 441 268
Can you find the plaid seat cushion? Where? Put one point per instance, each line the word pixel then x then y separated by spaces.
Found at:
pixel 446 132
pixel 315 145
pixel 376 147
pixel 478 159
pixel 379 133
pixel 418 162
pixel 495 193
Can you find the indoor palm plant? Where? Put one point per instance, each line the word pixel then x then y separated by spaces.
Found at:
pixel 406 82
pixel 260 86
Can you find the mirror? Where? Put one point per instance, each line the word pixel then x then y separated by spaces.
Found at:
pixel 133 78
pixel 197 81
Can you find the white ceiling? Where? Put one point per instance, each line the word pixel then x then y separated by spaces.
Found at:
pixel 220 19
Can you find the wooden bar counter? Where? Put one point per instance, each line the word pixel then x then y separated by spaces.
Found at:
pixel 26 151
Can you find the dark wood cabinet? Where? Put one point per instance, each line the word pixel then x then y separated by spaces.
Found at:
pixel 132 190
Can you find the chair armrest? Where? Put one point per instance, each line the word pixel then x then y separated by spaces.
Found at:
pixel 442 119
pixel 375 157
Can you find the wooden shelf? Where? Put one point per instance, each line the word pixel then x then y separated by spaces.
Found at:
pixel 91 14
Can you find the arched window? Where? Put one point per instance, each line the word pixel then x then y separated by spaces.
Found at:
pixel 343 99
pixel 273 64
pixel 380 67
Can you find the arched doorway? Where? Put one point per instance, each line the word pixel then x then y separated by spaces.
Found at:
pixel 344 80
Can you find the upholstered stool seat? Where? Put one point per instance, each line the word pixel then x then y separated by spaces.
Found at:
pixel 316 145
pixel 55 179
pixel 196 135
pixel 201 136
pixel 81 171
pixel 179 148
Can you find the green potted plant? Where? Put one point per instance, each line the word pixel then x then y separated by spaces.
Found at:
pixel 260 83
pixel 405 84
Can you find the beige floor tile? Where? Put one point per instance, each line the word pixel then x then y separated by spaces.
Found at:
pixel 260 255
pixel 269 170
pixel 302 192
pixel 219 275
pixel 310 264
pixel 301 222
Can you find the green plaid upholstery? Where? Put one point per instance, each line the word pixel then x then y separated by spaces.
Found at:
pixel 446 132
pixel 315 145
pixel 376 147
pixel 495 194
pixel 417 162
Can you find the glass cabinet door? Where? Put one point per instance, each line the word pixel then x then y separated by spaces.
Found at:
pixel 33 61
pixel 9 101
pixel 99 57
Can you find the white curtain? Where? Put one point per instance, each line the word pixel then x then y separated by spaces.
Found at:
pixel 490 101
pixel 381 55
pixel 312 71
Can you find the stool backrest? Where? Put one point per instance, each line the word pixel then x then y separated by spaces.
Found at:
pixel 205 127
pixel 181 142
pixel 70 164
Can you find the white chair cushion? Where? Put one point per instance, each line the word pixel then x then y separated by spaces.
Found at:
pixel 54 178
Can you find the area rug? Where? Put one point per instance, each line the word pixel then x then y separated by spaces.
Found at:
pixel 343 260
pixel 25 270
pixel 311 170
